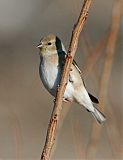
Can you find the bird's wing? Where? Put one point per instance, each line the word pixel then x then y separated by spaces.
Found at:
pixel 76 65
pixel 62 52
pixel 93 99
pixel 74 62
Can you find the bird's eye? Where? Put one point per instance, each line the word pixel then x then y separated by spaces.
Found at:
pixel 49 43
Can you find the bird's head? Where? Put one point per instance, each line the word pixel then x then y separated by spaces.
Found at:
pixel 49 45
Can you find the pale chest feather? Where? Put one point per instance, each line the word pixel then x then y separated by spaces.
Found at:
pixel 49 73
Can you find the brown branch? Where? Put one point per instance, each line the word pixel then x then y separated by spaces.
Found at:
pixel 110 50
pixel 51 132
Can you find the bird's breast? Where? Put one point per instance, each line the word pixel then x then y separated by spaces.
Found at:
pixel 50 75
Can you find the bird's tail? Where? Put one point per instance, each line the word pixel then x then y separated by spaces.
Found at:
pixel 100 117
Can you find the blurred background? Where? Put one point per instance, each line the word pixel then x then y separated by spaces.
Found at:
pixel 25 105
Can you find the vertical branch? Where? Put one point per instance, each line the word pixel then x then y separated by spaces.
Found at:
pixel 51 132
pixel 110 50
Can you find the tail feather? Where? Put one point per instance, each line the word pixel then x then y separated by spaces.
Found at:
pixel 100 117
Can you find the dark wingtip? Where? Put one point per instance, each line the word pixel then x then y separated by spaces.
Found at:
pixel 94 99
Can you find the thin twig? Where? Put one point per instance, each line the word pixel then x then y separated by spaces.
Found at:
pixel 110 50
pixel 111 123
pixel 51 132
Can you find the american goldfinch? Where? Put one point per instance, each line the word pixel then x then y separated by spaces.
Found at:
pixel 52 58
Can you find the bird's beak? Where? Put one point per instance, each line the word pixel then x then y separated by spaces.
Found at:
pixel 39 45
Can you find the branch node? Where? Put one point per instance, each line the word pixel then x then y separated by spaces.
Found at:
pixel 69 55
pixel 55 117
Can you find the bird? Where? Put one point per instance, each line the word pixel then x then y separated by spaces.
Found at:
pixel 52 59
